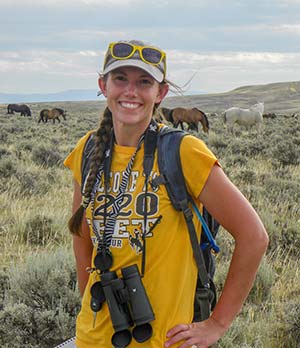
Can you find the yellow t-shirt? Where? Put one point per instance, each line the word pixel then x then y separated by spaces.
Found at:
pixel 171 272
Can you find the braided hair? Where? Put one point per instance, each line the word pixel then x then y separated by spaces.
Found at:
pixel 102 137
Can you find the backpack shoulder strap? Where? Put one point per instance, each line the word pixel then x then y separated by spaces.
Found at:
pixel 168 147
pixel 171 175
pixel 168 153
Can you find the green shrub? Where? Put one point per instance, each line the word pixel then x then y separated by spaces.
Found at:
pixel 4 281
pixel 39 230
pixel 293 320
pixel 247 331
pixel 246 175
pixel 8 167
pixel 3 134
pixel 235 160
pixel 263 283
pixel 41 303
pixel 286 152
pixel 4 152
pixel 46 156
pixel 24 145
pixel 32 183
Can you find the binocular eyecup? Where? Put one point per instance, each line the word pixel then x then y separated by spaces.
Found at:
pixel 140 306
pixel 128 305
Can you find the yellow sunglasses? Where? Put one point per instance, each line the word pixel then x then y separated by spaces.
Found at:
pixel 125 50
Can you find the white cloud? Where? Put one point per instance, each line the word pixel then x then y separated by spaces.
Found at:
pixel 196 59
pixel 88 53
pixel 288 28
pixel 49 62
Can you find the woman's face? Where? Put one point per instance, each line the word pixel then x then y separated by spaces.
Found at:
pixel 131 95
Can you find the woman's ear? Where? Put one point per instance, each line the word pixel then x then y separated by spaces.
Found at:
pixel 163 91
pixel 102 85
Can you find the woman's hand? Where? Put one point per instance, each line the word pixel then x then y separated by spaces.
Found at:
pixel 197 335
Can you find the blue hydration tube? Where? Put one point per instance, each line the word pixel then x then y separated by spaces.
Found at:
pixel 208 234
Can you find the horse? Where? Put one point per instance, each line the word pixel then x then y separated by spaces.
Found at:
pixel 22 108
pixel 52 114
pixel 244 117
pixel 191 116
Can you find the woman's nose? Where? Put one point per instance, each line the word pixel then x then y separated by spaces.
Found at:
pixel 131 89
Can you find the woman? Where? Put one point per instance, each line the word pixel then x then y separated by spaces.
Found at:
pixel 110 227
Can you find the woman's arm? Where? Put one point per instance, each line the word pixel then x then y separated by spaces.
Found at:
pixel 232 210
pixel 82 245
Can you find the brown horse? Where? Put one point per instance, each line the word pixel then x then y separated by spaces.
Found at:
pixel 52 114
pixel 191 116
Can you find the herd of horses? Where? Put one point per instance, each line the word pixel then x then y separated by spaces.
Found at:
pixel 44 116
pixel 178 116
pixel 192 117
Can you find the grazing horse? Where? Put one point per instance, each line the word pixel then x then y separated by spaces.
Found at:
pixel 244 117
pixel 52 114
pixel 191 116
pixel 22 108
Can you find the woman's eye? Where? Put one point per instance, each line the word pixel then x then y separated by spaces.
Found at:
pixel 120 78
pixel 145 82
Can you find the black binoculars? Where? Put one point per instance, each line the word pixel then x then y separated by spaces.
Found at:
pixel 128 305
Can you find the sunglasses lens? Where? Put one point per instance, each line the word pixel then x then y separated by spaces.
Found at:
pixel 151 55
pixel 122 50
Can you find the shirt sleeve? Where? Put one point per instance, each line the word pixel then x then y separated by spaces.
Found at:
pixel 73 160
pixel 197 161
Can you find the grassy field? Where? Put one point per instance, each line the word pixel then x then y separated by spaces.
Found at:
pixel 38 295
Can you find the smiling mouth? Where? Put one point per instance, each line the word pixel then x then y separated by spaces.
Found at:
pixel 128 105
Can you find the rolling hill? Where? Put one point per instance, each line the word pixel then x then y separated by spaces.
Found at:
pixel 281 97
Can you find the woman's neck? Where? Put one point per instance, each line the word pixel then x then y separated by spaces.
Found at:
pixel 128 135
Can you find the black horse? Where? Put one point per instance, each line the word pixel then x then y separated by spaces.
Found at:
pixel 22 108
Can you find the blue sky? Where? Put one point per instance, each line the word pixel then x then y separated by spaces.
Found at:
pixel 55 45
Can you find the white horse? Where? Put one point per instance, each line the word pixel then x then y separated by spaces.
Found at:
pixel 244 117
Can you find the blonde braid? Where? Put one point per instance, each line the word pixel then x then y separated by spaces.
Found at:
pixel 102 137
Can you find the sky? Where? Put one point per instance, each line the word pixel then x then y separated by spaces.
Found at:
pixel 48 46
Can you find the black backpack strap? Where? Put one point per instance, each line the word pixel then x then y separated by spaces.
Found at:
pixel 168 145
pixel 150 143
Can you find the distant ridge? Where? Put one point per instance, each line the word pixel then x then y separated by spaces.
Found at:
pixel 68 95
pixel 280 97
